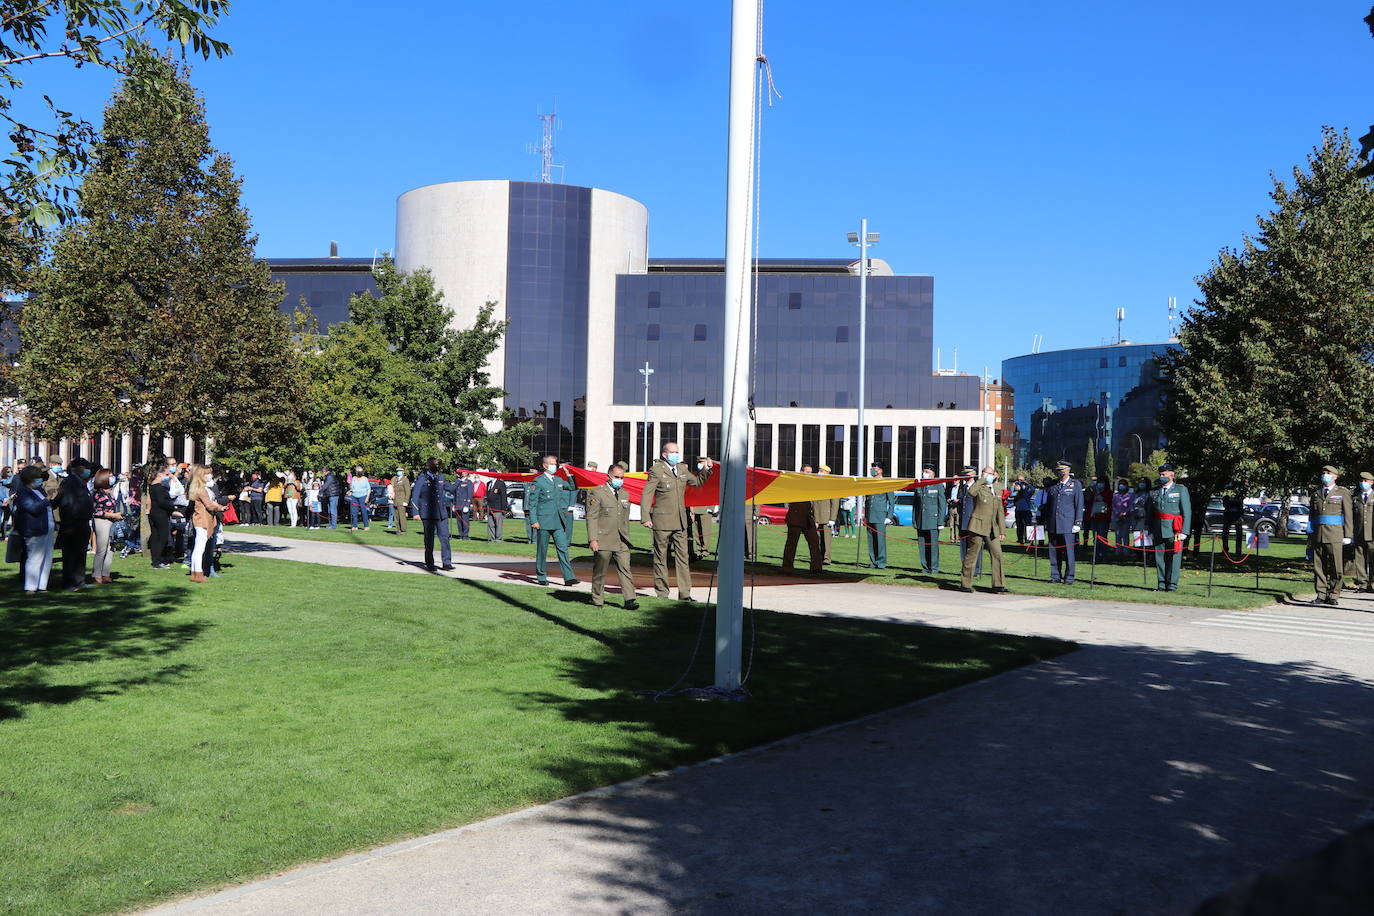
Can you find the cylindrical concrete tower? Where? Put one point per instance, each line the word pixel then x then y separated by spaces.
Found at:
pixel 548 256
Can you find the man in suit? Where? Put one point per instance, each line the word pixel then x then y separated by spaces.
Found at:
pixel 462 506
pixel 964 502
pixel 1169 511
pixel 928 516
pixel 400 489
pixel 1332 530
pixel 432 505
pixel 549 512
pixel 801 523
pixel 984 529
pixel 608 534
pixel 1363 549
pixel 702 523
pixel 663 509
pixel 825 512
pixel 498 507
pixel 1063 516
pixel 877 510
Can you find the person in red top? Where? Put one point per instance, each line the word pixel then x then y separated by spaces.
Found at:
pixel 479 497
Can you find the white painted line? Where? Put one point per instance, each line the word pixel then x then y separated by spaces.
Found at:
pixel 1259 628
pixel 1353 627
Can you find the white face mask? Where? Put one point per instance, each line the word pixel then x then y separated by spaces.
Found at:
pixel 550 469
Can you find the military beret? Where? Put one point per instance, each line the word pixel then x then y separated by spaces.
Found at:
pixel 1365 475
pixel 1330 470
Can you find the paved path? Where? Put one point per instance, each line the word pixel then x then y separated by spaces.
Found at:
pixel 1181 749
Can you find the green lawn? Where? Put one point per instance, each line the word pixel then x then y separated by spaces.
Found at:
pixel 1284 573
pixel 158 737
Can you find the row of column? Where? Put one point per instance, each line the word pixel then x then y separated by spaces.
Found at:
pixel 100 449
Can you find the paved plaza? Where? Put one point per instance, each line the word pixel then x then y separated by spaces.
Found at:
pixel 1179 750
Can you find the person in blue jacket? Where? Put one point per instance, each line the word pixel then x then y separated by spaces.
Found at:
pixel 34 528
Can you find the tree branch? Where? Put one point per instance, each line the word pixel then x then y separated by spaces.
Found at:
pixel 28 12
pixel 67 52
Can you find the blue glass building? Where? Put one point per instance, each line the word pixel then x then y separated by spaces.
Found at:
pixel 1108 395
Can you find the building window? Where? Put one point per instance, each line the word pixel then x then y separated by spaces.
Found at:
pixel 653 332
pixel 667 432
pixel 854 449
pixel 763 445
pixel 655 299
pixel 1036 389
pixel 643 446
pixel 954 449
pixel 882 449
pixel 713 440
pixel 787 446
pixel 1121 361
pixel 1102 363
pixel 691 440
pixel 906 451
pixel 620 442
pixel 811 445
pixel 975 447
pixel 842 334
pixel 794 301
pixel 834 448
pixel 930 448
pixel 699 332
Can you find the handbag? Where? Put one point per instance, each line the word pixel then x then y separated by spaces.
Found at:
pixel 231 517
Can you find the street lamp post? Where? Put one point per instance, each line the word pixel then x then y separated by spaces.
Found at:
pixel 1141 443
pixel 862 239
pixel 646 372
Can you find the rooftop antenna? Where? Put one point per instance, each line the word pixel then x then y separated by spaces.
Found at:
pixel 1173 309
pixel 546 148
pixel 1120 317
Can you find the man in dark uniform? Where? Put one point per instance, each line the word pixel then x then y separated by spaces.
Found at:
pixel 928 517
pixel 801 523
pixel 1333 529
pixel 1063 520
pixel 1170 513
pixel 1362 560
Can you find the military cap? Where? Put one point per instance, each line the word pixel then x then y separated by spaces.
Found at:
pixel 927 467
pixel 1328 469
pixel 1365 475
pixel 1168 466
pixel 969 467
pixel 1061 463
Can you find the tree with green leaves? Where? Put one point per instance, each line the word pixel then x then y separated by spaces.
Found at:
pixel 451 409
pixel 1090 460
pixel 39 177
pixel 1274 376
pixel 154 309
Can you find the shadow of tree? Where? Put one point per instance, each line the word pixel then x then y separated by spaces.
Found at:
pixel 40 635
pixel 1110 780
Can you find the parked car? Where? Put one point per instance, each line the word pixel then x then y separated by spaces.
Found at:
pixel 1299 521
pixel 906 502
pixel 515 495
pixel 773 514
pixel 1263 518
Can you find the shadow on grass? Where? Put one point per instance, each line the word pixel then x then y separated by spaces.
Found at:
pixel 40 635
pixel 1114 779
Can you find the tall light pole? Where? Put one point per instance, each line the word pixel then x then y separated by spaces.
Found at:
pixel 648 456
pixel 734 406
pixel 1141 443
pixel 862 239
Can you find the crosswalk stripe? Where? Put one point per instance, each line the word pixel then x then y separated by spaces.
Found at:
pixel 1321 622
pixel 1287 630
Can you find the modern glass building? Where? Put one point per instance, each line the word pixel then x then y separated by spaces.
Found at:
pixel 325 284
pixel 1109 395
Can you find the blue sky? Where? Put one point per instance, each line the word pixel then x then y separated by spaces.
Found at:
pixel 1047 162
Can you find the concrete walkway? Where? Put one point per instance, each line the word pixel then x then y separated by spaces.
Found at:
pixel 1180 750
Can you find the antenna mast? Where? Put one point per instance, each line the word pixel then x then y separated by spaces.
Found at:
pixel 546 148
pixel 1173 308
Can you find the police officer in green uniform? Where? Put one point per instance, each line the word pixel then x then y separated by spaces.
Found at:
pixel 1170 514
pixel 1332 530
pixel 549 511
pixel 928 518
pixel 1363 501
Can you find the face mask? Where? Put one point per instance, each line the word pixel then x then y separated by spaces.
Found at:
pixel 1328 479
pixel 1141 487
pixel 1365 485
pixel 1163 481
pixel 701 465
pixel 672 458
pixel 85 473
pixel 1121 489
pixel 617 483
pixel 550 469
pixel 990 478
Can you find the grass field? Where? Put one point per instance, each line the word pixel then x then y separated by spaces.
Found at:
pixel 1284 573
pixel 158 737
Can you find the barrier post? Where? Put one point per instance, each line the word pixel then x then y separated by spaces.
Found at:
pixel 1092 583
pixel 1257 559
pixel 1144 565
pixel 1035 555
pixel 1213 567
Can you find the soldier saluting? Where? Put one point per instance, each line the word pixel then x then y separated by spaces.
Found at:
pixel 1169 511
pixel 1333 528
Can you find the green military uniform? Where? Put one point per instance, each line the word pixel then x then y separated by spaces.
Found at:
pixel 608 526
pixel 1363 559
pixel 1169 518
pixel 400 487
pixel 928 517
pixel 878 508
pixel 984 529
pixel 663 505
pixel 1332 526
pixel 549 505
pixel 825 512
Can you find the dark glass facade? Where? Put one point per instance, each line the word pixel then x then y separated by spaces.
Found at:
pixel 1110 396
pixel 326 284
pixel 547 269
pixel 806 351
